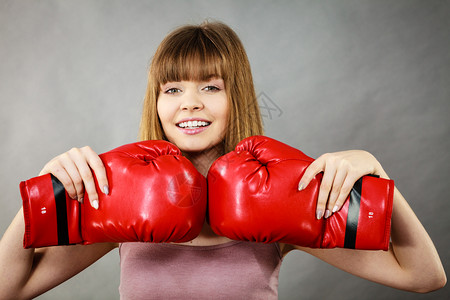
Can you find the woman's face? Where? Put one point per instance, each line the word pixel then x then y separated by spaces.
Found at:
pixel 193 114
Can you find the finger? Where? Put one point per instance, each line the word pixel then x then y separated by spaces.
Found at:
pixel 97 167
pixel 57 170
pixel 86 175
pixel 324 190
pixel 72 171
pixel 345 191
pixel 311 171
pixel 339 178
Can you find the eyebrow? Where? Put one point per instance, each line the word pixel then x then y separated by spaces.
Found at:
pixel 206 79
pixel 212 76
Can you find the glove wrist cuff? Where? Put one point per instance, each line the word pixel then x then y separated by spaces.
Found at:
pixel 46 209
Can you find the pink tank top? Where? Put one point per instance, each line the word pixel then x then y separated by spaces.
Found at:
pixel 234 270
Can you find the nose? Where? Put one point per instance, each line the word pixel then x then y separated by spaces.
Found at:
pixel 191 101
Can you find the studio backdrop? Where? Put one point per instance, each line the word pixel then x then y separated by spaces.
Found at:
pixel 330 75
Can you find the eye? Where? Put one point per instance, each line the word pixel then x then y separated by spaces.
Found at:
pixel 172 91
pixel 211 88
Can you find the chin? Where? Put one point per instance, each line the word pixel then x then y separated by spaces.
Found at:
pixel 196 148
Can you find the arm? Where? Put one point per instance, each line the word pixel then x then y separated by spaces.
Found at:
pixel 412 262
pixel 26 273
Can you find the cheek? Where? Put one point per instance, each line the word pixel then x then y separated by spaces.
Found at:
pixel 163 110
pixel 225 112
pixel 222 114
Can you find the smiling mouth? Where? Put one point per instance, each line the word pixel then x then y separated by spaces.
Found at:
pixel 193 124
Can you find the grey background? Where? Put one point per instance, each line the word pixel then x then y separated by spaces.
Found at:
pixel 336 75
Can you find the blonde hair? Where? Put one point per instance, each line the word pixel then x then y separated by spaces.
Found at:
pixel 199 52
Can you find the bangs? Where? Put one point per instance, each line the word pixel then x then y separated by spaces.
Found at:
pixel 188 57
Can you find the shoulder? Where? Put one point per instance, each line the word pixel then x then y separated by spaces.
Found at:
pixel 286 248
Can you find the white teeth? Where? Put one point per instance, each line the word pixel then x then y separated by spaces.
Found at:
pixel 193 124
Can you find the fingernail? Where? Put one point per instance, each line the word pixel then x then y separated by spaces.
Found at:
pixel 95 204
pixel 319 214
pixel 81 199
pixel 335 208
pixel 327 214
pixel 106 190
pixel 301 186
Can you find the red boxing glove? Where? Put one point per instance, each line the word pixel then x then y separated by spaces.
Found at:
pixel 253 196
pixel 156 195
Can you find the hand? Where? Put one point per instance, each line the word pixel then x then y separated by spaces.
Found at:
pixel 74 169
pixel 341 171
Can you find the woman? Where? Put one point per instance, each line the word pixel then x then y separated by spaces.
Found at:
pixel 201 98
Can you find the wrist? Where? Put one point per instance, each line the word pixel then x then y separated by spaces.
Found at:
pixel 380 171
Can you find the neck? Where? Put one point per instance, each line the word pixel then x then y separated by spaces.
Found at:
pixel 204 159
